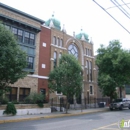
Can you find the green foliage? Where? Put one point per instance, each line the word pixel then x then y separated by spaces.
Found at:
pixel 40 104
pixel 12 60
pixel 35 98
pixel 114 67
pixel 4 100
pixel 67 77
pixel 10 109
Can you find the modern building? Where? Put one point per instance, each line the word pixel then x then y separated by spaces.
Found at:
pixel 27 30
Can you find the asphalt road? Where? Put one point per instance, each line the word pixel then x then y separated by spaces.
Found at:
pixel 98 121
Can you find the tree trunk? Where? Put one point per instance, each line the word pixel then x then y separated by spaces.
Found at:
pixel 120 89
pixel 66 105
pixel 111 99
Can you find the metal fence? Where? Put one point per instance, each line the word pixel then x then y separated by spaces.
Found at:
pixel 60 104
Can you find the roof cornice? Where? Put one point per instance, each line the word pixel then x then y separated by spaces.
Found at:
pixel 21 13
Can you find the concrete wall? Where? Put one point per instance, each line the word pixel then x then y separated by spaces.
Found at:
pixel 27 109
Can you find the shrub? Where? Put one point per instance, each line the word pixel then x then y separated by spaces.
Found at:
pixel 40 104
pixel 10 109
pixel 35 98
pixel 15 102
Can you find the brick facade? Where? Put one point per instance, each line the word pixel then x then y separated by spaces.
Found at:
pixel 44 59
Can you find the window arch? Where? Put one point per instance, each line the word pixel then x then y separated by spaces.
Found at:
pixel 54 40
pixel 55 59
pixel 90 70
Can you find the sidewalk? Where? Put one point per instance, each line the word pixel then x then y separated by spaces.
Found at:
pixel 5 119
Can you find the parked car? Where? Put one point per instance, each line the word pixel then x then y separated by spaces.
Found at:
pixel 120 104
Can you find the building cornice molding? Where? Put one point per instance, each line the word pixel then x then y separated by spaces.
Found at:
pixel 21 13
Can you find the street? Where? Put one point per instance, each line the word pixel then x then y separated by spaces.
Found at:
pixel 97 121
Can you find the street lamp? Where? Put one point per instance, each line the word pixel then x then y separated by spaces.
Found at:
pixel 88 96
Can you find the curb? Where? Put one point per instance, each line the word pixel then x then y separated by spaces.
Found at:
pixel 50 116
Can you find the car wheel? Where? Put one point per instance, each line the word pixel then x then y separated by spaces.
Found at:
pixel 111 109
pixel 121 107
pixel 129 107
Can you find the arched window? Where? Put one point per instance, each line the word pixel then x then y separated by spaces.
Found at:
pixel 60 54
pixel 58 41
pixel 88 52
pixel 91 89
pixel 61 42
pixel 87 66
pixel 90 70
pixel 72 49
pixel 55 59
pixel 54 40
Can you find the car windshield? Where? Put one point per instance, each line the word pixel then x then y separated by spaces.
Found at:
pixel 117 100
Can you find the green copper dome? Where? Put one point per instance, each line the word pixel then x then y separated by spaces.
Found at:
pixel 52 22
pixel 82 36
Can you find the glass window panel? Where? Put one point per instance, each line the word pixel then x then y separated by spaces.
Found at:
pixel 91 90
pixel 32 36
pixel 14 90
pixel 30 62
pixel 31 51
pixel 14 30
pixel 55 59
pixel 21 91
pixel 27 34
pixel 60 55
pixel 58 42
pixel 20 32
pixel 72 49
pixel 54 40
pixel 61 42
pixel 27 91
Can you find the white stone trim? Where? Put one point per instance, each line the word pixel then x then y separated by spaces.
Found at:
pixel 46 26
pixel 52 59
pixel 27 111
pixel 58 47
pixel 58 93
pixel 38 76
pixel 88 56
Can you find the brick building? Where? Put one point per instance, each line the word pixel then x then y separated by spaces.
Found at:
pixel 80 46
pixel 27 30
pixel 44 45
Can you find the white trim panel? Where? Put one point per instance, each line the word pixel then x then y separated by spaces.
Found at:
pixel 38 76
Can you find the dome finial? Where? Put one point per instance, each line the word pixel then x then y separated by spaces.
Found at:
pixel 74 34
pixel 64 30
pixel 53 14
pixel 91 41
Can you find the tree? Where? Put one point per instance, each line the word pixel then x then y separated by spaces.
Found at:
pixel 67 77
pixel 12 60
pixel 114 67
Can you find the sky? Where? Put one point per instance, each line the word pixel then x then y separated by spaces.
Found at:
pixel 77 14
